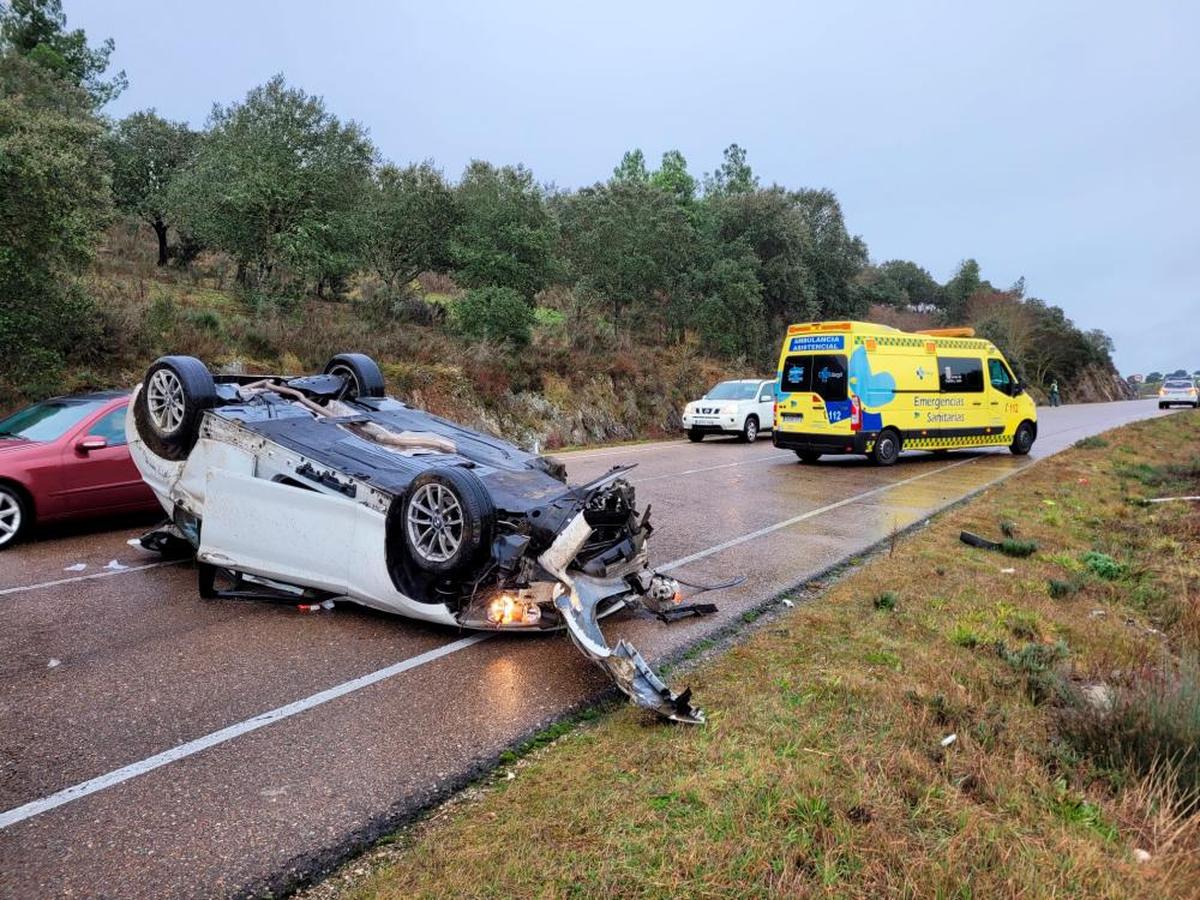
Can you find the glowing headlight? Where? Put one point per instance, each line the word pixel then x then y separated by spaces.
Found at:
pixel 506 609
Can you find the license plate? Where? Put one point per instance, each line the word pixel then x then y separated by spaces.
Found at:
pixel 792 417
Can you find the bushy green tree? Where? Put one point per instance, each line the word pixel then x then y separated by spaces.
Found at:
pixel 56 194
pixel 958 290
pixel 494 313
pixel 733 176
pixel 413 217
pixel 728 311
pixel 505 235
pixel 833 256
pixel 632 168
pixel 632 244
pixel 147 151
pixel 774 229
pixel 37 30
pixel 278 180
pixel 673 178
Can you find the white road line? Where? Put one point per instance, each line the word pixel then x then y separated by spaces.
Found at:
pixel 732 465
pixel 794 520
pixel 133 770
pixel 108 574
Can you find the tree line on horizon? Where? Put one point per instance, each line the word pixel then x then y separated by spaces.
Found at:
pixel 303 204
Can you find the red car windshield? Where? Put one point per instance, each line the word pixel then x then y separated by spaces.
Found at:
pixel 48 421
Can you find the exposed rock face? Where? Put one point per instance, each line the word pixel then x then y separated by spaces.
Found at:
pixel 1098 384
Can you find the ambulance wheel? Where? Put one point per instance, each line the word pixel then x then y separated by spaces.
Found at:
pixel 887 448
pixel 808 457
pixel 695 436
pixel 1023 440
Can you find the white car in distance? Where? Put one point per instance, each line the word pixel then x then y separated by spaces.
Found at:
pixel 744 408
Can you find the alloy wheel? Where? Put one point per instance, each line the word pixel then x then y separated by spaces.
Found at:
pixel 165 401
pixel 10 517
pixel 435 522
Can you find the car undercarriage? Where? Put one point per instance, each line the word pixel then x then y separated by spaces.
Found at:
pixel 321 487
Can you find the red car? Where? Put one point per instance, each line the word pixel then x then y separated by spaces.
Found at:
pixel 67 458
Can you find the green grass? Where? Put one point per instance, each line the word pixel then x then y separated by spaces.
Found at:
pixel 826 766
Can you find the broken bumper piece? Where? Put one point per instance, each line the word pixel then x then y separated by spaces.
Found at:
pixel 578 601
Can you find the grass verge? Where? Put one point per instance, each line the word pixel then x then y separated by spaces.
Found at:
pixel 941 721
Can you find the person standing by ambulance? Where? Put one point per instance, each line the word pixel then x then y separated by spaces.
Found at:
pixel 1055 400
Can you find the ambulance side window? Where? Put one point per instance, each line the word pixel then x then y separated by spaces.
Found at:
pixel 829 376
pixel 797 375
pixel 1001 379
pixel 960 374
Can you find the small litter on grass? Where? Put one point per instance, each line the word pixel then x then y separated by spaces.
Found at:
pixel 115 566
pixel 1141 855
pixel 949 739
pixel 786 602
pixel 78 567
pixel 1169 499
pixel 1007 571
pixel 54 663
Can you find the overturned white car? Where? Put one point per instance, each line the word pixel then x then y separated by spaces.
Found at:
pixel 321 486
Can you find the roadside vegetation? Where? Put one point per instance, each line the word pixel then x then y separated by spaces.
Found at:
pixel 277 233
pixel 942 720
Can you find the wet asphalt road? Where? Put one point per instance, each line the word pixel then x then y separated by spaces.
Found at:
pixel 144 666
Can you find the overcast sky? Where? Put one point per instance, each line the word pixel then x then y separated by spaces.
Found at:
pixel 1058 141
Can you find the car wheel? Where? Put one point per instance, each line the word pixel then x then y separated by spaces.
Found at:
pixel 363 376
pixel 887 448
pixel 447 519
pixel 1162 406
pixel 750 430
pixel 15 516
pixel 695 436
pixel 175 393
pixel 808 456
pixel 1022 441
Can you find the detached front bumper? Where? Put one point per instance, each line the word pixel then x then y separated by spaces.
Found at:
pixel 578 601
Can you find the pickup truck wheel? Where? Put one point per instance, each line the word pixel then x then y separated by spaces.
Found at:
pixel 695 436
pixel 363 376
pixel 14 516
pixel 887 448
pixel 808 456
pixel 447 519
pixel 167 412
pixel 1022 441
pixel 750 430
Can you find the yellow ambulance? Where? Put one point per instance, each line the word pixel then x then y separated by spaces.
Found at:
pixel 855 387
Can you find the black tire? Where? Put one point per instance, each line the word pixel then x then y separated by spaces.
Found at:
pixel 365 376
pixel 475 517
pixel 695 436
pixel 16 515
pixel 749 430
pixel 887 448
pixel 1023 439
pixel 173 434
pixel 1162 406
pixel 807 456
